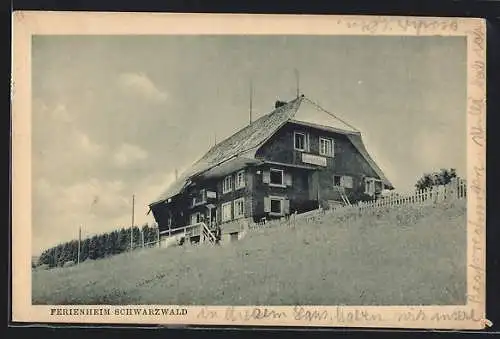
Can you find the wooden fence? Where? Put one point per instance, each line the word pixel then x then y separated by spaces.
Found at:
pixel 456 189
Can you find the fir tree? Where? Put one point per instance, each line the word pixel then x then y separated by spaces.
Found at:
pixel 93 252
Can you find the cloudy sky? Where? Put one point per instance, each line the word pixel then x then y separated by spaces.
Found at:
pixel 115 116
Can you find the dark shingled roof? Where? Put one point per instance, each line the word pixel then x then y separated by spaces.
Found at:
pixel 246 141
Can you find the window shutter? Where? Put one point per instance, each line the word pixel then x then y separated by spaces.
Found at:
pixel 266 176
pixel 288 179
pixel 348 182
pixel 286 206
pixel 267 204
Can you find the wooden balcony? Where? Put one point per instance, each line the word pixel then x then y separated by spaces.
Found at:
pixel 199 231
pixel 203 197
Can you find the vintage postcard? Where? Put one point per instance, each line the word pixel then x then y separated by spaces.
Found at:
pixel 259 170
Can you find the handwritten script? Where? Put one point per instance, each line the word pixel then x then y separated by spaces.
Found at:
pixel 476 113
pixel 377 24
pixel 331 315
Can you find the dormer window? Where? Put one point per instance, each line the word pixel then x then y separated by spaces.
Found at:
pixel 300 141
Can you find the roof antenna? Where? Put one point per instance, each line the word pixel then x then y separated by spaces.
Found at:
pixel 215 138
pixel 251 97
pixel 297 82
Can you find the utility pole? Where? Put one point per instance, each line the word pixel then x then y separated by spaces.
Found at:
pixel 132 227
pixel 79 242
pixel 142 237
pixel 251 99
pixel 297 81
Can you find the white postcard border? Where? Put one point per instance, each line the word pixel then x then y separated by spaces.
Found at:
pixel 26 24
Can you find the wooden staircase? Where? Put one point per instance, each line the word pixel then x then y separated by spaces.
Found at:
pixel 343 195
pixel 207 235
pixel 199 230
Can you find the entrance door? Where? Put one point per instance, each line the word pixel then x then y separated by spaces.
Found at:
pixel 195 218
pixel 213 216
pixel 233 236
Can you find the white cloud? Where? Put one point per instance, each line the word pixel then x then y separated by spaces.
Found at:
pixel 57 113
pixel 60 113
pixel 94 204
pixel 61 147
pixel 92 196
pixel 98 206
pixel 139 83
pixel 84 144
pixel 128 154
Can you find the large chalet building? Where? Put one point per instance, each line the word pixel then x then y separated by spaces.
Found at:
pixel 295 159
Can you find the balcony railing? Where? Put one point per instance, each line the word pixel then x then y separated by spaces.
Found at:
pixel 203 197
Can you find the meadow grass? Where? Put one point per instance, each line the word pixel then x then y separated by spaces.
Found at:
pixel 413 255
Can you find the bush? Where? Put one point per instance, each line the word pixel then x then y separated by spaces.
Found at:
pixel 442 177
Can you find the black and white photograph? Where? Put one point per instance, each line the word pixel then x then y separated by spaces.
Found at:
pixel 246 172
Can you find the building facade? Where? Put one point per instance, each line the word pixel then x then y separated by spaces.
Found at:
pixel 294 159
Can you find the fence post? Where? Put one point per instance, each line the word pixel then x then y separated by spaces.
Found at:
pixel 453 189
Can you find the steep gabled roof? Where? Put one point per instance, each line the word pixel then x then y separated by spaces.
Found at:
pixel 244 143
pixel 239 144
pixel 310 113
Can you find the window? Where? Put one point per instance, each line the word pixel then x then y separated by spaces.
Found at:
pixel 239 208
pixel 336 180
pixel 300 141
pixel 346 181
pixel 200 198
pixel 370 186
pixel 227 184
pixel 226 211
pixel 276 206
pixel 343 180
pixel 240 180
pixel 276 177
pixel 326 147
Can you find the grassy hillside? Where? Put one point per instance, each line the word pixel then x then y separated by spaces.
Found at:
pixel 408 255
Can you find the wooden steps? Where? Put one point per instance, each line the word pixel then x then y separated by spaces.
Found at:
pixel 343 195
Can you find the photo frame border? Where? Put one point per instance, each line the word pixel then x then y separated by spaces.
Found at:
pixel 26 23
